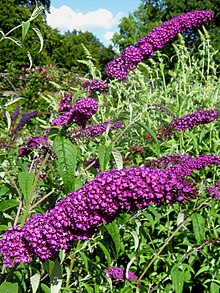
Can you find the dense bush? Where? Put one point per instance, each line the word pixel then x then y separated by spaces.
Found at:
pixel 117 189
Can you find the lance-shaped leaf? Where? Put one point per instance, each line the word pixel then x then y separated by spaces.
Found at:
pixel 25 25
pixel 38 32
pixel 104 153
pixel 25 180
pixel 118 159
pixel 66 153
pixel 177 277
pixel 198 227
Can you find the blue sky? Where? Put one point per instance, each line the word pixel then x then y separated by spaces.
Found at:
pixel 101 17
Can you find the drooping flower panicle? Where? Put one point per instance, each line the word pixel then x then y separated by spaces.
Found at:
pixel 188 121
pixel 82 110
pixel 155 40
pixel 100 201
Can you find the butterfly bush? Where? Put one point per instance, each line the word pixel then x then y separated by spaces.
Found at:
pixel 188 121
pixel 155 40
pixel 100 201
pixel 24 119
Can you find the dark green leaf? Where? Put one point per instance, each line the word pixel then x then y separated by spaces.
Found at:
pixel 66 152
pixel 106 253
pixel 113 230
pixel 85 259
pixel 25 180
pixel 8 204
pixel 177 279
pixel 88 288
pixel 198 227
pixel 56 278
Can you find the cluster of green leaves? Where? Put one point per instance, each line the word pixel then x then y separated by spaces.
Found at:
pixel 170 248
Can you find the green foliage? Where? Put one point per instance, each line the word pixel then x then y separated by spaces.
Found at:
pixel 171 248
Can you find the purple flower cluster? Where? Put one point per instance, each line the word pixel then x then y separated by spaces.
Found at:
pixel 24 120
pixel 167 160
pixel 95 85
pixel 155 40
pixel 82 110
pixel 65 103
pixel 214 191
pixel 120 274
pixel 96 129
pixel 100 201
pixel 188 121
pixel 32 143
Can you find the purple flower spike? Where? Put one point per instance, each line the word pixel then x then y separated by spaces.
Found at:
pixel 155 40
pixel 95 85
pixel 65 104
pixel 120 274
pixel 24 120
pixel 82 110
pixel 100 201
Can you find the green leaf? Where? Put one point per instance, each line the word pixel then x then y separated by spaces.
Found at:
pixel 104 153
pixel 113 230
pixel 198 227
pixel 38 32
pixel 214 288
pixel 89 289
pixel 35 281
pixel 118 159
pixel 177 279
pixel 203 269
pixel 25 25
pixel 8 287
pixel 106 253
pixel 45 288
pixel 56 278
pixel 85 259
pixel 66 152
pixel 78 94
pixel 25 180
pixel 8 204
pixel 3 190
pixel 8 117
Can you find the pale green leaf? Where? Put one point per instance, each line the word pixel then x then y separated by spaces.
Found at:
pixel 38 32
pixel 35 281
pixel 8 117
pixel 118 159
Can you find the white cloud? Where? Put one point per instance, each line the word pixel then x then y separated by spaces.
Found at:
pixel 108 36
pixel 64 18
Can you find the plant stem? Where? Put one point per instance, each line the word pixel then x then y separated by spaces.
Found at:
pixel 72 263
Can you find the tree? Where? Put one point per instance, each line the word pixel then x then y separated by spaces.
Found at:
pixel 27 3
pixel 71 50
pixel 151 13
